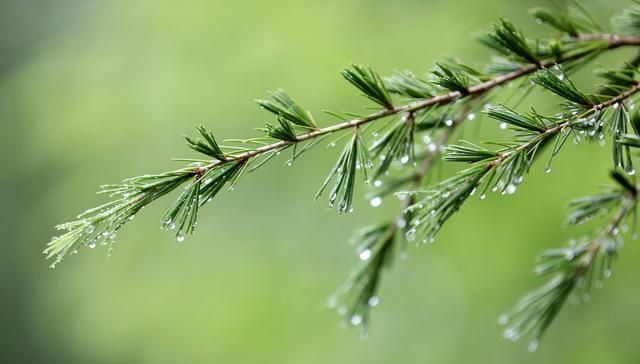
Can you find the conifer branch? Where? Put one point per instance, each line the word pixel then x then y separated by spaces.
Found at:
pixel 501 170
pixel 576 269
pixel 378 245
pixel 433 105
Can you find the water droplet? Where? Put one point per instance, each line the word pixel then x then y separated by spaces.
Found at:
pixel 89 229
pixel 510 334
pixel 533 345
pixel 576 139
pixel 92 244
pixel 365 254
pixel 569 254
pixel 511 189
pixel 373 301
pixel 342 310
pixel 598 284
pixel 503 125
pixel 503 319
pixel 448 122
pixel 410 235
pixel 631 171
pixel 172 226
pixel 332 302
pixel 404 159
pixel 180 237
pixel 483 196
pixel 471 116
pixel 132 217
pixel 432 147
pixel 518 180
pixel 332 144
pixel 376 201
pixel 607 273
pixel 377 183
pixel 547 169
pixel 355 320
pixel 586 297
pixel 401 223
pixel 206 182
pixel 426 139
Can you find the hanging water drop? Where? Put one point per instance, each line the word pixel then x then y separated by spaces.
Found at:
pixel 511 189
pixel 376 201
pixel 377 183
pixel 180 237
pixel 503 319
pixel 355 320
pixel 471 116
pixel 448 122
pixel 483 196
pixel 365 254
pixel 569 254
pixel 533 345
pixel 503 126
pixel 510 334
pixel 547 169
pixel 373 301
pixel 89 229
pixel 404 159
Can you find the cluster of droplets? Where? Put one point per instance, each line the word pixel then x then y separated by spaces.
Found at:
pixel 169 224
pixel 512 334
pixel 82 233
pixel 432 147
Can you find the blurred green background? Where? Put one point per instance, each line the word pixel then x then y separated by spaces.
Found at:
pixel 95 91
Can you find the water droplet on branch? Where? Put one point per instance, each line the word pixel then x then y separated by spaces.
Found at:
pixel 375 202
pixel 365 254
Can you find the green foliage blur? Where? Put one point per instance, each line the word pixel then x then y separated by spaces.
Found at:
pixel 95 91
